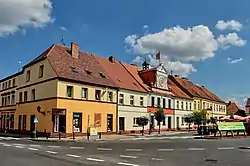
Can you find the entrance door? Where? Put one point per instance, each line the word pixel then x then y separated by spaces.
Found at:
pixel 178 122
pixel 169 122
pixel 121 123
pixel 32 124
pixel 56 123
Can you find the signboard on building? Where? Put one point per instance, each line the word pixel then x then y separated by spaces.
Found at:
pixel 231 126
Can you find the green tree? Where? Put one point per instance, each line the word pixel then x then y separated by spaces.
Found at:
pixel 189 119
pixel 159 116
pixel 200 117
pixel 142 121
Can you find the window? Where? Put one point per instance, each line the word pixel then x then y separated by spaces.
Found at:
pixel 98 94
pixel 158 101
pixel 20 122
pixel 102 75
pixel 84 93
pixel 121 98
pixel 25 96
pixel 131 100
pixel 8 100
pixel 135 120
pixel 14 82
pixel 152 101
pixel 169 103
pixel 163 103
pixel 182 120
pixel 20 97
pixel 198 105
pixel 141 101
pixel 98 120
pixel 177 104
pixel 3 86
pixel 70 91
pixel 164 122
pixel 33 94
pixel 28 76
pixel 40 74
pixel 77 122
pixel 110 96
pixel 12 99
pixel 6 85
pixel 2 101
pixel 186 105
pixel 207 105
pixel 24 122
pixel 190 106
pixel 9 84
pixel 194 105
pixel 182 105
pixel 204 105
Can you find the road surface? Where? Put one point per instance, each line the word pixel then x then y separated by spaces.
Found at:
pixel 128 153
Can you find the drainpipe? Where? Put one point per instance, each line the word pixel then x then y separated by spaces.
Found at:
pixel 117 117
pixel 173 106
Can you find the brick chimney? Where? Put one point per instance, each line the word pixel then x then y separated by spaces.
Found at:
pixel 112 59
pixel 74 49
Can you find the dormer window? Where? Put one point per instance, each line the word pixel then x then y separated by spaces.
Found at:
pixel 88 72
pixel 102 75
pixel 73 69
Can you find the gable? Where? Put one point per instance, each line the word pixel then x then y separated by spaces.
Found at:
pixel 162 69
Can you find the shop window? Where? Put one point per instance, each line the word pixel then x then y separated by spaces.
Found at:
pixel 77 122
pixel 24 122
pixel 12 121
pixel 20 122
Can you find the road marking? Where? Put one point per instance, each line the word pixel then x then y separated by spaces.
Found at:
pixel 19 147
pixel 7 145
pixel 196 149
pixel 105 149
pixel 124 156
pixel 128 164
pixel 32 149
pixel 51 152
pixel 226 148
pixel 72 155
pixel 168 150
pixel 35 145
pixel 53 146
pixel 93 159
pixel 135 150
pixel 18 144
pixel 157 159
pixel 76 147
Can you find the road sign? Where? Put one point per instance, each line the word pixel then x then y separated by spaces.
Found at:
pixel 35 120
pixel 7 117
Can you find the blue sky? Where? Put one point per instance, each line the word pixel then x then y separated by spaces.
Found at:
pixel 218 62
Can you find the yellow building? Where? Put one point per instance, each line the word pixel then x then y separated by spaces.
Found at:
pixel 65 90
pixel 203 99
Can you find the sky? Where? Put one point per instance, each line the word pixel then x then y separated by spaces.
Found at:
pixel 206 41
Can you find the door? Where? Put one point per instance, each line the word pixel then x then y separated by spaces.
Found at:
pixel 169 122
pixel 56 123
pixel 121 123
pixel 178 122
pixel 32 124
pixel 109 122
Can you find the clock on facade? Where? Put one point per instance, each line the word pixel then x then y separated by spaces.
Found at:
pixel 162 82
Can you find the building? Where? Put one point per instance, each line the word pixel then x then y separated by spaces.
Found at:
pixel 155 81
pixel 248 106
pixel 203 99
pixel 132 97
pixel 183 105
pixel 66 90
pixel 234 109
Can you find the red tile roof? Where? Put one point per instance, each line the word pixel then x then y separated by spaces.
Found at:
pixel 177 92
pixel 83 69
pixel 232 108
pixel 119 74
pixel 194 90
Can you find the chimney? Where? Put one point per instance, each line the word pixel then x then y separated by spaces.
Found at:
pixel 112 59
pixel 74 50
pixel 229 102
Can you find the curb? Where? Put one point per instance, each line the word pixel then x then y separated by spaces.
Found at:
pixel 202 137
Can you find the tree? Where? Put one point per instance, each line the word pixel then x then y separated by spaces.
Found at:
pixel 200 117
pixel 159 116
pixel 189 119
pixel 142 121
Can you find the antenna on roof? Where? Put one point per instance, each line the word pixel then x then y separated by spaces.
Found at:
pixel 19 66
pixel 62 41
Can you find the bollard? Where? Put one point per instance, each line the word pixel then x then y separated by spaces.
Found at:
pixel 73 135
pixel 88 136
pixel 100 135
pixel 59 135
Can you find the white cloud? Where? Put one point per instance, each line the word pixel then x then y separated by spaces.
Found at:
pixel 63 28
pixel 145 26
pixel 234 61
pixel 180 47
pixel 231 39
pixel 18 15
pixel 229 25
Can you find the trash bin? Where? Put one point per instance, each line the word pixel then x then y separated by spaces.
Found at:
pixel 33 134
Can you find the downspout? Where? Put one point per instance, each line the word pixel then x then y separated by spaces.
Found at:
pixel 117 117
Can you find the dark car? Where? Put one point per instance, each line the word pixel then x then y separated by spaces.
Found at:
pixel 206 130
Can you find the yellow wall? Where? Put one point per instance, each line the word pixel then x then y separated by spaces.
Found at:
pixel 87 108
pixel 31 109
